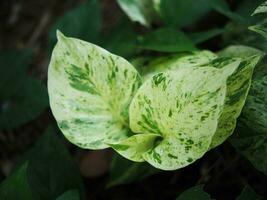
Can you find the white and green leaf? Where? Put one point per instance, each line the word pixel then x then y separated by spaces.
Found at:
pixel 90 91
pixel 238 85
pixel 182 107
pixel 260 28
pixel 261 8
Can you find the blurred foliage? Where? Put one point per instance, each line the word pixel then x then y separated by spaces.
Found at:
pixel 83 22
pixel 123 171
pixel 22 97
pixel 194 193
pixel 248 194
pixel 46 172
pixel 166 40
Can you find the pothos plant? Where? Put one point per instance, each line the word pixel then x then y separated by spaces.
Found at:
pixel 169 114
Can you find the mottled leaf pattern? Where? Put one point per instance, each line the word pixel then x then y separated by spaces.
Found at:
pixel 238 85
pixel 183 107
pixel 134 147
pixel 260 28
pixel 188 104
pixel 90 90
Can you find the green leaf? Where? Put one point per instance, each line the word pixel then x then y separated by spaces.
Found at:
pixel 194 193
pixel 90 91
pixel 69 195
pixel 141 11
pixel 238 85
pixel 166 40
pixel 248 194
pixel 82 22
pixel 16 186
pixel 23 99
pixel 203 36
pixel 253 146
pixel 161 106
pixel 51 169
pixel 124 171
pixel 261 9
pixel 180 13
pixel 121 40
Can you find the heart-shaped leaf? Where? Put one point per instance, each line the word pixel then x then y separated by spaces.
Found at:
pixel 90 91
pixel 181 108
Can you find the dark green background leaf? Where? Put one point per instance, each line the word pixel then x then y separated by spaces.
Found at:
pixel 121 40
pixel 166 40
pixel 48 173
pixel 69 195
pixel 180 13
pixel 83 22
pixel 51 168
pixel 22 98
pixel 248 194
pixel 194 193
pixel 16 187
pixel 124 171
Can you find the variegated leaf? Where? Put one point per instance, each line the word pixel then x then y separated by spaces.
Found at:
pixel 90 91
pixel 261 9
pixel 260 28
pixel 134 146
pixel 238 85
pixel 183 107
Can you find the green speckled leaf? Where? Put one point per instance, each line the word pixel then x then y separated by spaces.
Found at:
pixel 238 85
pixel 182 106
pixel 90 91
pixel 261 9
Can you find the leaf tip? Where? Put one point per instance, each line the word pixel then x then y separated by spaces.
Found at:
pixel 60 35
